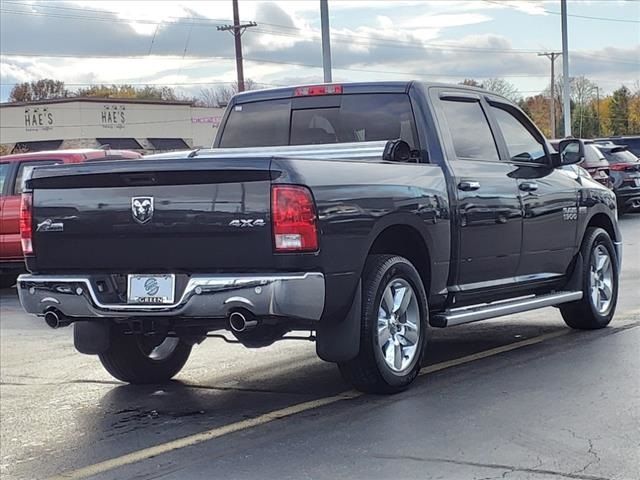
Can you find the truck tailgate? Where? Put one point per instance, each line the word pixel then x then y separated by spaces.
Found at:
pixel 153 216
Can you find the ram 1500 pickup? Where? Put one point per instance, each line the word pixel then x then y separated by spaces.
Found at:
pixel 364 213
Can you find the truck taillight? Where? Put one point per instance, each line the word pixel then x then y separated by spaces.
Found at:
pixel 26 223
pixel 293 217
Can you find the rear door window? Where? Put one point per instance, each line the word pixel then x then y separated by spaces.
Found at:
pixel 470 131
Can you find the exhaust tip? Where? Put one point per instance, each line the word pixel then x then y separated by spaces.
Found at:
pixel 55 319
pixel 52 319
pixel 239 322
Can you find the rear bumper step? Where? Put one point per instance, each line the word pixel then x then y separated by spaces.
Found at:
pixel 290 295
pixel 476 313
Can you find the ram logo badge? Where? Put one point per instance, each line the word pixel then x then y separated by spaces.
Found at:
pixel 247 222
pixel 142 209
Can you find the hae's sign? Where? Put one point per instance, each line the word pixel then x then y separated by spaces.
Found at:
pixel 38 119
pixel 113 116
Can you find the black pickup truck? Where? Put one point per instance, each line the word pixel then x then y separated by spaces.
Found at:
pixel 364 213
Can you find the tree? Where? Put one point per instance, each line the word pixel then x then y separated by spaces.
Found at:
pixel 471 83
pixel 148 92
pixel 619 111
pixel 220 96
pixel 634 111
pixel 44 89
pixel 502 87
pixel 537 107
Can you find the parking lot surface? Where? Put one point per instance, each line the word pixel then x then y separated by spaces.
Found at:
pixel 521 397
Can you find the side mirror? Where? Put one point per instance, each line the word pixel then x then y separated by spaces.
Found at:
pixel 571 152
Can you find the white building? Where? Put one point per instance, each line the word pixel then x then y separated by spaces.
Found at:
pixel 88 122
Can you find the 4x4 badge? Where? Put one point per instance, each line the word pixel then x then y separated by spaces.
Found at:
pixel 142 209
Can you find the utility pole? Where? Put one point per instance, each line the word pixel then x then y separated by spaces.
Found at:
pixel 326 40
pixel 566 93
pixel 552 56
pixel 237 29
pixel 598 107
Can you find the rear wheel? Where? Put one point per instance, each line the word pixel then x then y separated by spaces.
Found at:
pixel 599 284
pixel 393 327
pixel 140 359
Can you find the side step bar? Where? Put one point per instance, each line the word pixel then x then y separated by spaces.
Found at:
pixel 458 316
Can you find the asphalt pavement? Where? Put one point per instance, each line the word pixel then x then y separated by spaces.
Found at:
pixel 521 397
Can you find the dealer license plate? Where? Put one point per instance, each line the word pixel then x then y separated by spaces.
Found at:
pixel 151 289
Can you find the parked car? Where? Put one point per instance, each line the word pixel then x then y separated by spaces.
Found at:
pixel 12 172
pixel 594 162
pixel 365 213
pixel 631 141
pixel 625 174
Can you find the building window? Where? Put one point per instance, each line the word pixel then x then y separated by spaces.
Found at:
pixel 120 143
pixel 168 144
pixel 39 146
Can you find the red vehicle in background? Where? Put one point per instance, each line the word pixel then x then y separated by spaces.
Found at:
pixel 12 170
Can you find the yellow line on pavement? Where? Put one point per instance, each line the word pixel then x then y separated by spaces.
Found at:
pixel 217 432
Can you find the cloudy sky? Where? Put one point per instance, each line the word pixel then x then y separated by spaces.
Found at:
pixel 176 43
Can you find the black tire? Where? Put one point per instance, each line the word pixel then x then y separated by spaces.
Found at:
pixel 368 371
pixel 128 359
pixel 583 314
pixel 7 281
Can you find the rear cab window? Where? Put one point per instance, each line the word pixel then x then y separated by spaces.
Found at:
pixel 338 119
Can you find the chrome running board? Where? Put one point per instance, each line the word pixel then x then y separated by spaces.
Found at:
pixel 474 313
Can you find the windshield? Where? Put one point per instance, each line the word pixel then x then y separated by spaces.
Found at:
pixel 352 118
pixel 619 156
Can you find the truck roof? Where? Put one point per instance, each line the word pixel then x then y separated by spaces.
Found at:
pixel 347 88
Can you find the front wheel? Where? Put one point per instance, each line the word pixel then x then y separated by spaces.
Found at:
pixel 393 327
pixel 139 359
pixel 599 284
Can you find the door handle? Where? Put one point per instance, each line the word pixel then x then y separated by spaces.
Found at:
pixel 468 185
pixel 528 186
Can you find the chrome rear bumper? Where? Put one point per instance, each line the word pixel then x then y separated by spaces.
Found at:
pixel 292 295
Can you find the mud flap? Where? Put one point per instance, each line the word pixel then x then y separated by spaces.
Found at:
pixel 91 337
pixel 340 341
pixel 576 278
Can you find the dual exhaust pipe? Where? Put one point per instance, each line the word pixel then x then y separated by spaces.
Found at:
pixel 239 321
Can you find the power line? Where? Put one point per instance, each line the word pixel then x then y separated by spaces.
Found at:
pixel 297 64
pixel 605 19
pixel 336 36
